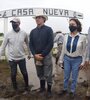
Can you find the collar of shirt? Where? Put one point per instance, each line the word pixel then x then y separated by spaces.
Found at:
pixel 40 27
pixel 16 32
pixel 75 35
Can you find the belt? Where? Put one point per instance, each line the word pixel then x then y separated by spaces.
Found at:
pixel 73 57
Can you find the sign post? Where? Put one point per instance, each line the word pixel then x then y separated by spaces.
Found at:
pixel 52 12
pixel 5 25
pixel 46 11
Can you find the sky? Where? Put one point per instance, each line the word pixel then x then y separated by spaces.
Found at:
pixel 57 23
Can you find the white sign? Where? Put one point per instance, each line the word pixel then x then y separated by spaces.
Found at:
pixel 46 11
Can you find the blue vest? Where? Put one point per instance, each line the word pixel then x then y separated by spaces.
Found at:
pixel 74 46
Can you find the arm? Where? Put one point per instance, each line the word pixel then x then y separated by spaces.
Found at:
pixel 88 46
pixel 50 44
pixel 84 51
pixel 36 56
pixel 87 59
pixel 56 38
pixel 27 43
pixel 87 52
pixel 62 52
pixel 31 43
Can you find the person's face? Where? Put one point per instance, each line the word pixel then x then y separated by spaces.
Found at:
pixel 73 23
pixel 72 26
pixel 15 26
pixel 40 20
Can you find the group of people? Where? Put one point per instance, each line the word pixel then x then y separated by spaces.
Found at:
pixel 75 54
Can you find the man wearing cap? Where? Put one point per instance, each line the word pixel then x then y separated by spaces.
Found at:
pixel 41 43
pixel 15 40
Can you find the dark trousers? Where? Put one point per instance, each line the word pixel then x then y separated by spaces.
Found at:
pixel 22 65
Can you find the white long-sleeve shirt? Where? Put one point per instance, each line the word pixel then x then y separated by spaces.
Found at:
pixel 15 43
pixel 80 49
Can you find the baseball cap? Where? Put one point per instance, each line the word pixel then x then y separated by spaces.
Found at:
pixel 15 20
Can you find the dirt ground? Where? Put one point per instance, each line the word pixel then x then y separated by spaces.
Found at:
pixel 7 93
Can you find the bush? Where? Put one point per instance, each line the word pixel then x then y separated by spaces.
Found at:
pixel 0 43
pixel 1 34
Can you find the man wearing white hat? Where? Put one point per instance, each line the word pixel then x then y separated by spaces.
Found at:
pixel 15 40
pixel 41 43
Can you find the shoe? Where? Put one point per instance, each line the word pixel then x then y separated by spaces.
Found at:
pixel 72 95
pixel 42 87
pixel 25 92
pixel 49 91
pixel 49 94
pixel 87 98
pixel 88 94
pixel 42 84
pixel 42 92
pixel 27 88
pixel 62 92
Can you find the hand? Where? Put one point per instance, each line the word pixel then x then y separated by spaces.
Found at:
pixel 81 66
pixel 86 65
pixel 61 65
pixel 39 57
pixel 28 57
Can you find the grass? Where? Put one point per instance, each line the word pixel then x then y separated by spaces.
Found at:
pixel 0 42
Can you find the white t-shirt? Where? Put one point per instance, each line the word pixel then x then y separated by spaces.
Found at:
pixel 15 43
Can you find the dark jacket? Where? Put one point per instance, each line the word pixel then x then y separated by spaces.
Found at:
pixel 41 40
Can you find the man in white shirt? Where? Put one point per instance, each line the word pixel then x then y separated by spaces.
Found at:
pixel 15 40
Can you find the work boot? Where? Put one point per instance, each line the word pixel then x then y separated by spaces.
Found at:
pixel 15 86
pixel 88 94
pixel 72 95
pixel 42 87
pixel 62 92
pixel 49 92
pixel 27 90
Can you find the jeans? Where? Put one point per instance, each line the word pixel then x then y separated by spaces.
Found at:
pixel 22 65
pixel 71 64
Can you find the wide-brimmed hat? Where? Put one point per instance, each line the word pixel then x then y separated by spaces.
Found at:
pixel 15 20
pixel 44 16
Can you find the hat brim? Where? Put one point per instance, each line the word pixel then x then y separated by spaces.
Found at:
pixel 12 21
pixel 44 16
